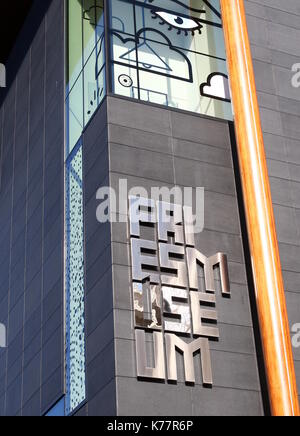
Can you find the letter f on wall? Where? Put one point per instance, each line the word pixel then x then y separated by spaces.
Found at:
pixel 2 76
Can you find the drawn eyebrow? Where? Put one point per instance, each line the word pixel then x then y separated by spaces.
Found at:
pixel 185 6
pixel 206 2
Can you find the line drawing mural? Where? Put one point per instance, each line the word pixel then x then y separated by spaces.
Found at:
pixel 170 48
pixel 145 58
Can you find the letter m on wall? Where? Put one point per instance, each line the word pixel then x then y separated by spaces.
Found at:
pixel 194 258
pixel 173 344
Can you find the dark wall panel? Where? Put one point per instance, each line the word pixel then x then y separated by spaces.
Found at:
pixel 100 364
pixel 31 215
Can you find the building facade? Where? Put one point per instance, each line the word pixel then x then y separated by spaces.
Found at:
pixel 110 308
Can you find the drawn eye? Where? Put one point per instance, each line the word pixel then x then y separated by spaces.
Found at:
pixel 178 22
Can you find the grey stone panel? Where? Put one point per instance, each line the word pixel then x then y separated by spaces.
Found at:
pixel 230 370
pixel 152 399
pixel 207 163
pixel 226 402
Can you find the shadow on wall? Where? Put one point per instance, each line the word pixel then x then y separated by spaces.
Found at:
pixel 11 21
pixel 36 13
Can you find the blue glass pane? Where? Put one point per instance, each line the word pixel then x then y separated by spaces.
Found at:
pixel 86 79
pixel 58 409
pixel 74 114
pixel 94 80
pixel 75 333
pixel 93 26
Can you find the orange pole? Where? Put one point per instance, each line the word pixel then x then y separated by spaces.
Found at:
pixel 270 296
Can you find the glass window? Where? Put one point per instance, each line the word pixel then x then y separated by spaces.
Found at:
pixel 93 56
pixel 75 310
pixel 171 53
pixel 74 114
pixel 85 90
pixel 85 71
pixel 74 56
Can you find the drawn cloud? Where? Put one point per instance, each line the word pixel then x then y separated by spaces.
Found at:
pixel 217 87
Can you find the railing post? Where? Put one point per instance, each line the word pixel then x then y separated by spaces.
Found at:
pixel 266 265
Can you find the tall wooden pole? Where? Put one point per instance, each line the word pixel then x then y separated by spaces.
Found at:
pixel 270 296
